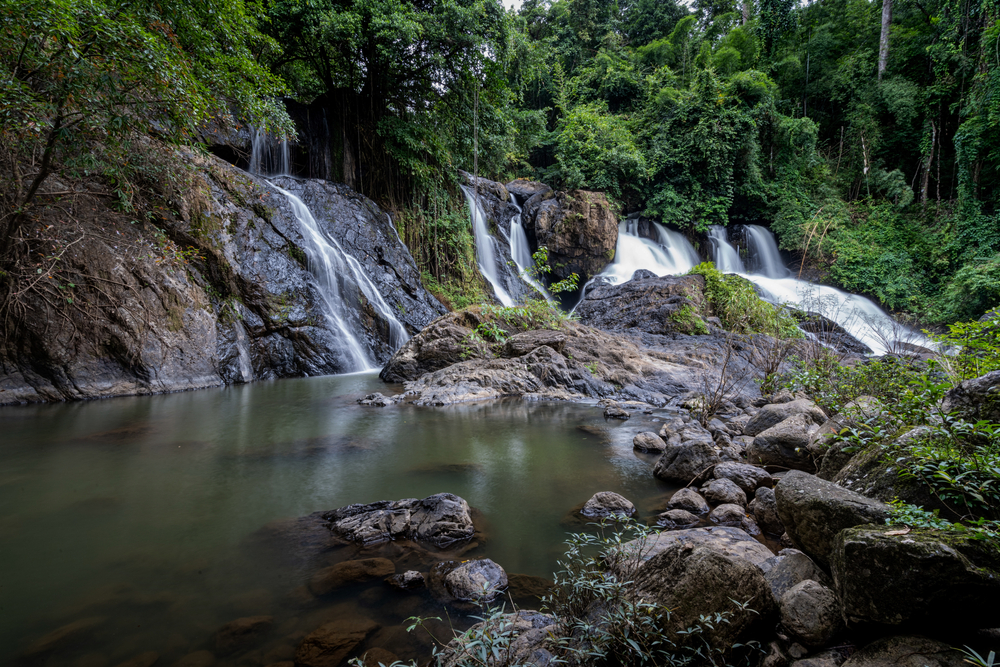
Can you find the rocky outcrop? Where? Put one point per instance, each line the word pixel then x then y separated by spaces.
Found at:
pixel 975 399
pixel 667 305
pixel 814 511
pixel 441 520
pixel 896 576
pixel 578 227
pixel 222 294
pixel 446 363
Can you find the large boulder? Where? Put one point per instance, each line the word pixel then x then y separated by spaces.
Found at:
pixel 861 414
pixel 686 462
pixel 810 611
pixel 897 576
pixel 975 399
pixel 732 542
pixel 696 580
pixel 441 520
pixel 906 651
pixel 789 568
pixel 689 500
pixel 785 444
pixel 765 511
pixel 656 305
pixel 578 227
pixel 722 491
pixel 814 511
pixel 648 442
pixel 775 413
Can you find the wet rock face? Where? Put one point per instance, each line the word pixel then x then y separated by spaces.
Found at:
pixel 245 308
pixel 917 578
pixel 578 228
pixel 667 305
pixel 440 520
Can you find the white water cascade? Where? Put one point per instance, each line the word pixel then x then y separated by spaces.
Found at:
pixel 268 156
pixel 670 254
pixel 857 315
pixel 485 248
pixel 520 252
pixel 726 257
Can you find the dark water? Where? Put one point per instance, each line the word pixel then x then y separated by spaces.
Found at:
pixel 134 517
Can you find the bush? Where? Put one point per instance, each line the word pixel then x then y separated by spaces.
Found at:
pixel 735 302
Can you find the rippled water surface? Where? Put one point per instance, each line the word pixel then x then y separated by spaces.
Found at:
pixel 140 517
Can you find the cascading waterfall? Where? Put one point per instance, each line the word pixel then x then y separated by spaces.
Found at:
pixel 670 254
pixel 520 251
pixel 329 263
pixel 485 250
pixel 268 156
pixel 246 367
pixel 859 316
pixel 726 257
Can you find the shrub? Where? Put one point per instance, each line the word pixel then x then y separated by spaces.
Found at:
pixel 736 304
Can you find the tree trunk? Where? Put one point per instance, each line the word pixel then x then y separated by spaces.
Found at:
pixel 883 40
pixel 746 12
pixel 927 167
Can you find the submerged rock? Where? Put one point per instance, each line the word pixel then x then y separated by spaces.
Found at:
pixel 906 651
pixel 349 572
pixel 441 520
pixel 330 644
pixel 241 634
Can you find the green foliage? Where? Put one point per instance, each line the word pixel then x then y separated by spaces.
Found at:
pixel 973 348
pixel 542 268
pixel 735 302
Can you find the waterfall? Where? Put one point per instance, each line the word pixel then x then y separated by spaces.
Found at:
pixel 670 254
pixel 246 368
pixel 859 316
pixel 520 252
pixel 726 257
pixel 268 156
pixel 485 250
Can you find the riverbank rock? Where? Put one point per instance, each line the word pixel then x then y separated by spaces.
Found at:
pixel 606 503
pixel 330 644
pixel 813 511
pixel 695 579
pixel 906 651
pixel 648 442
pixel 811 612
pixel 469 584
pixel 656 305
pixel 410 580
pixel 773 414
pixel 785 445
pixel 722 491
pixel 531 637
pixel 975 399
pixel 62 637
pixel 686 462
pixel 791 567
pixel 677 519
pixel 730 541
pixel 688 500
pixel 898 576
pixel 441 520
pixel 446 364
pixel 765 511
pixel 222 295
pixel 748 477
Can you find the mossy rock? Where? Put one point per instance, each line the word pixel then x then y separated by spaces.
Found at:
pixel 917 578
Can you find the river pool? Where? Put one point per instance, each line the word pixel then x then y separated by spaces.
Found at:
pixel 134 517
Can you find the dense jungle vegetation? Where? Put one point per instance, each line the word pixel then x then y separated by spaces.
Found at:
pixel 865 134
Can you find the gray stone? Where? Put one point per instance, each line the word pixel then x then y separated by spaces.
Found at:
pixel 727 515
pixel 607 503
pixel 677 519
pixel 785 444
pixel 897 576
pixel 723 491
pixel 906 651
pixel 648 442
pixel 407 581
pixel 791 567
pixel 533 636
pixel 774 414
pixel 521 344
pixel 613 411
pixel 765 511
pixel 687 462
pixel 814 511
pixel 441 520
pixel 689 500
pixel 975 399
pixel 747 477
pixel 473 582
pixel 730 541
pixel 810 611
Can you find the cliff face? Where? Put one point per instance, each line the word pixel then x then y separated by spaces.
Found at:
pixel 216 291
